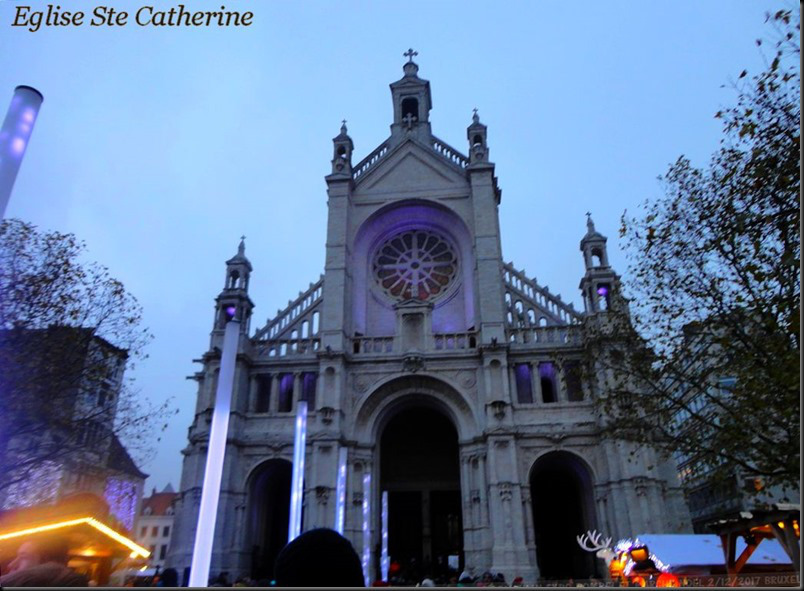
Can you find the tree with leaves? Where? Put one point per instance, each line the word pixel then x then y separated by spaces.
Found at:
pixel 68 330
pixel 705 363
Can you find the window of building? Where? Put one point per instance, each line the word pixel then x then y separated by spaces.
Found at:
pixel 308 388
pixel 162 551
pixel 152 549
pixel 547 379
pixel 262 404
pixel 166 531
pixel 524 388
pixel 604 291
pixel 410 106
pixel 286 392
pixel 143 531
pixel 572 376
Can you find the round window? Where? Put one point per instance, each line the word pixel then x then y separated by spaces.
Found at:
pixel 416 264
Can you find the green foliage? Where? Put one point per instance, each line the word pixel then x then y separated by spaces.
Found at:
pixel 715 291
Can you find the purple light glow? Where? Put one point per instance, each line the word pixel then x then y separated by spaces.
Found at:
pixel 366 532
pixel 17 146
pixel 547 370
pixel 230 311
pixel 523 383
pixel 297 484
pixel 122 498
pixel 213 472
pixel 28 115
pixel 603 291
pixel 385 560
pixel 340 493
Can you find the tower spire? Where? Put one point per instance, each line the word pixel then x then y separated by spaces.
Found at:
pixel 233 300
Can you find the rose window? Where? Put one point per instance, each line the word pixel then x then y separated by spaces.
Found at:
pixel 417 264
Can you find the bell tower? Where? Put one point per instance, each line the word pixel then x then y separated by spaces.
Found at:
pixel 233 301
pixel 342 148
pixel 600 285
pixel 412 103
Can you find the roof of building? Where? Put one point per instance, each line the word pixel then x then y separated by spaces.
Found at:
pixel 120 460
pixel 705 549
pixel 159 502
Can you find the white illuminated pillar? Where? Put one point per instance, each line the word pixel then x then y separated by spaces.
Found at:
pixel 366 526
pixel 385 561
pixel 340 492
pixel 210 493
pixel 297 485
pixel 14 137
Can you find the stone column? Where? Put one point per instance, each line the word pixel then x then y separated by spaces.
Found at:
pixel 509 552
pixel 297 389
pixel 273 403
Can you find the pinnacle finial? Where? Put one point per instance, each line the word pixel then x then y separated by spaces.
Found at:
pixel 590 225
pixel 343 127
pixel 241 249
pixel 475 117
pixel 410 54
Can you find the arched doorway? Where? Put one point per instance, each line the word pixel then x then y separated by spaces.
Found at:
pixel 561 486
pixel 268 514
pixel 420 469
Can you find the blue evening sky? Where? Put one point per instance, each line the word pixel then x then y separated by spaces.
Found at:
pixel 160 147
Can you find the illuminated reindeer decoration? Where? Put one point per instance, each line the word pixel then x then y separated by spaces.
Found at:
pixel 602 550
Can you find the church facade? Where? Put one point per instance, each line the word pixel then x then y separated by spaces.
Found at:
pixel 452 379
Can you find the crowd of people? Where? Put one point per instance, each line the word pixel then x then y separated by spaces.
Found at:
pixel 317 558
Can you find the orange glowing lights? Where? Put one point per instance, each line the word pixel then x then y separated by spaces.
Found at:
pixel 639 554
pixel 668 580
pixel 136 549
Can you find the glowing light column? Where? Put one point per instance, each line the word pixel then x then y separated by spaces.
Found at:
pixel 210 493
pixel 366 525
pixel 14 137
pixel 385 561
pixel 297 484
pixel 340 492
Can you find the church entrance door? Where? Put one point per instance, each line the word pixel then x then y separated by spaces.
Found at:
pixel 419 467
pixel 560 488
pixel 269 515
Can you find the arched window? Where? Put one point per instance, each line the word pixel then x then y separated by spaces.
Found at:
pixel 477 140
pixel 597 257
pixel 410 106
pixel 233 277
pixel 603 291
pixel 315 322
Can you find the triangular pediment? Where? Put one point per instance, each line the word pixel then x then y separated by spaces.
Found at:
pixel 411 167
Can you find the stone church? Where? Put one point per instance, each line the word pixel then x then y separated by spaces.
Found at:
pixel 448 375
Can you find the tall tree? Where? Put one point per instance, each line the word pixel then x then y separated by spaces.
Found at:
pixel 68 330
pixel 707 364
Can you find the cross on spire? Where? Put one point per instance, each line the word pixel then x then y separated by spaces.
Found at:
pixel 410 54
